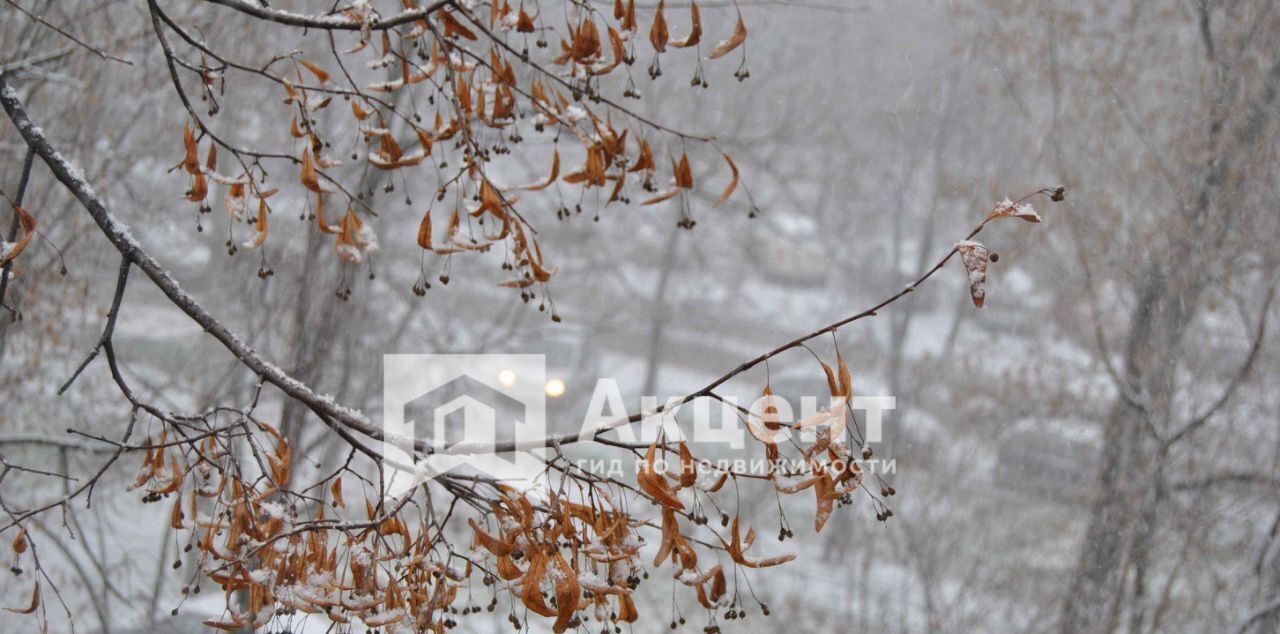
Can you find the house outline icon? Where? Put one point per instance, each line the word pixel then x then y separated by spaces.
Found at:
pixel 484 416
pixel 446 412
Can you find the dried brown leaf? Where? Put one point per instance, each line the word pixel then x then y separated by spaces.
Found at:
pixel 320 73
pixel 28 224
pixel 31 607
pixel 975 257
pixel 695 30
pixel 658 34
pixel 734 41
pixel 733 184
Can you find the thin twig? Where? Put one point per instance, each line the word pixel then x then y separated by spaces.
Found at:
pixel 89 47
pixel 14 224
pixel 108 329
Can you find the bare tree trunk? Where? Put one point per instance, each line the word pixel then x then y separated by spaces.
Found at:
pixel 659 319
pixel 1169 293
pixel 1267 621
pixel 1130 451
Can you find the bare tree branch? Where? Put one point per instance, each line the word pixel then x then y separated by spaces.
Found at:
pixel 107 330
pixel 128 246
pixel 13 225
pixel 1234 384
pixel 338 22
pixel 64 33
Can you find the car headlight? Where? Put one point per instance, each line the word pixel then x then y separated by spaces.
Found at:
pixel 555 387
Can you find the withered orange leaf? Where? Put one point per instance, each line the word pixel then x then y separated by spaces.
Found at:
pixel 463 93
pixel 688 469
pixel 734 41
pixel 508 570
pixel 336 490
pixel 719 483
pixel 519 282
pixel 595 166
pixel 316 70
pixel 494 545
pixel 496 10
pixel 19 544
pixel 424 231
pixel 832 386
pixel 424 138
pixel 28 224
pixel 531 586
pixel 490 200
pixel 176 516
pixel 586 42
pixel 191 162
pixel 453 27
pixel 260 227
pixel 324 225
pixel 654 484
pixel 619 53
pixel 627 612
pixel 666 195
pixel 199 188
pixel 695 31
pixel 524 23
pixel 359 112
pixel 1008 209
pixel 684 176
pixel 237 622
pixel 31 607
pixel 309 177
pixel 555 173
pixel 568 593
pixel 566 54
pixel 539 273
pixel 617 189
pixel 291 95
pixel 718 585
pixel 739 544
pixel 316 106
pixel 975 257
pixel 629 20
pixel 644 160
pixel 658 35
pixel 768 417
pixel 846 377
pixel 733 184
pixel 826 499
pixel 670 533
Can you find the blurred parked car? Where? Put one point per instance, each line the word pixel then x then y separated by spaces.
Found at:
pixel 1054 458
pixel 788 251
